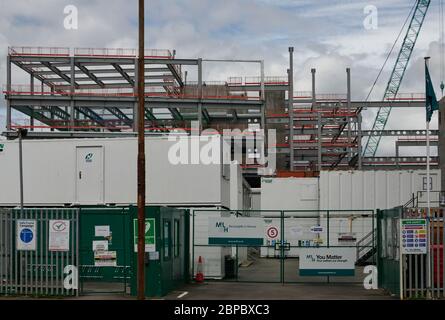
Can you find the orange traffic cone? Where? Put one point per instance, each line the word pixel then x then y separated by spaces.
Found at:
pixel 199 274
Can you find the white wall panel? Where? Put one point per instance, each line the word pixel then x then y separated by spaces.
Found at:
pixel 289 193
pixel 351 190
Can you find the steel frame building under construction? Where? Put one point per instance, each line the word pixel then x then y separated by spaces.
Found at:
pixel 92 93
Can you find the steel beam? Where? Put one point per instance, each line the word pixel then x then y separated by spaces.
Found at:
pixel 58 72
pixel 124 74
pixel 90 74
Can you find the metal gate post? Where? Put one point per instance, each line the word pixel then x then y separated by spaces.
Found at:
pixel 373 239
pixel 193 243
pixel 327 227
pixel 77 250
pixel 282 249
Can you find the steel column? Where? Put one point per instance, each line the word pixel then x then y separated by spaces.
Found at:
pixel 348 76
pixel 135 107
pixel 320 165
pixel 8 88
pixel 291 107
pixel 199 95
pixel 72 88
pixel 359 140
pixel 31 118
pixel 314 98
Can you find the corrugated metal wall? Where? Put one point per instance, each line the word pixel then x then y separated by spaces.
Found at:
pixel 350 190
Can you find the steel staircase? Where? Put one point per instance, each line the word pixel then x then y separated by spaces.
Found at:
pixel 366 248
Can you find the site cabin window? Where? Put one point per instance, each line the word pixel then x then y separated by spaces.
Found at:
pixel 167 239
pixel 424 183
pixel 176 244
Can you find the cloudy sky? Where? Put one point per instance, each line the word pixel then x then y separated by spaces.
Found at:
pixel 328 35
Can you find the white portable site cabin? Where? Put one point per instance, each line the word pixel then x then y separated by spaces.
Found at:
pixel 103 171
pixel 337 191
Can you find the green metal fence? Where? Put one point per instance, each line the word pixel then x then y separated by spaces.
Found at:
pixel 277 259
pixel 39 251
pixel 411 261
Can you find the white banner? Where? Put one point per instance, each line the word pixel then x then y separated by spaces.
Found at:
pixel 327 261
pixel 243 231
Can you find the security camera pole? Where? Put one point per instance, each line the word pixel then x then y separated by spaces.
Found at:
pixel 141 158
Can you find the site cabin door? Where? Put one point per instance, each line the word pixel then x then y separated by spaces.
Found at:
pixel 89 175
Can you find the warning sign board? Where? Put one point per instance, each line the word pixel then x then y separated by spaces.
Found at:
pixel 272 232
pixel 59 235
pixel 413 233
pixel 150 235
pixel 26 235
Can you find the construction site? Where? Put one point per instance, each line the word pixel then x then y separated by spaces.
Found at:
pixel 245 179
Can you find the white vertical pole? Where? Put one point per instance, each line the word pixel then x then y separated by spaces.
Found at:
pixel 428 254
pixel 428 166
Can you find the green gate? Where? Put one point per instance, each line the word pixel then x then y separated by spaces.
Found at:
pixel 104 248
pixel 288 235
pixel 388 256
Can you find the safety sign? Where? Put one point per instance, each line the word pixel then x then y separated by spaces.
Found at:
pixel 26 235
pixel 150 235
pixel 105 259
pixel 272 232
pixel 413 234
pixel 59 235
pixel 316 229
pixel 101 231
pixel 100 245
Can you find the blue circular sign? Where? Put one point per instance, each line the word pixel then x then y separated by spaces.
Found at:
pixel 26 235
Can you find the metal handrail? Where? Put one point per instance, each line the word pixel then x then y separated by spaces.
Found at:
pixel 369 238
pixel 410 201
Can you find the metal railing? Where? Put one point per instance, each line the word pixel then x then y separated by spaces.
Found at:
pixel 89 52
pixel 436 198
pixel 367 243
pixel 39 51
pixel 150 91
pixel 122 52
pixel 408 97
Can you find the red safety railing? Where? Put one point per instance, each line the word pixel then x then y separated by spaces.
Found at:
pixel 120 92
pixel 331 97
pixel 122 52
pixel 235 81
pixel 39 51
pixel 90 52
pixel 269 80
pixel 303 95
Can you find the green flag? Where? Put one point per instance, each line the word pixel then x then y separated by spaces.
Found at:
pixel 430 97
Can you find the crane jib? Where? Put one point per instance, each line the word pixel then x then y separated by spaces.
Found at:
pixel 397 74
